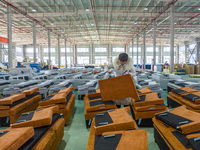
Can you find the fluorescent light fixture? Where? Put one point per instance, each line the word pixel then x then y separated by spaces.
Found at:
pixel 87 9
pixel 145 8
pixel 34 10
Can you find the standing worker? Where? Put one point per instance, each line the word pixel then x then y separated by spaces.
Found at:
pixel 123 65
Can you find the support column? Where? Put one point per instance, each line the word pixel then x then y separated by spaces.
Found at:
pixel 144 48
pixel 49 48
pixel 154 41
pixel 198 48
pixel 92 54
pixel 186 51
pixel 24 51
pixel 110 53
pixel 137 49
pixel 177 54
pixel 1 52
pixel 160 54
pixel 75 55
pixel 9 34
pixel 65 54
pixel 41 54
pixel 34 41
pixel 132 51
pixel 14 50
pixel 70 55
pixel 59 52
pixel 172 38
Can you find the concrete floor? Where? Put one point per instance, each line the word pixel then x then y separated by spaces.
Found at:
pixel 76 134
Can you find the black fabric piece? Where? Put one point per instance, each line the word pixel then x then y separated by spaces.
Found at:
pixel 105 117
pixel 48 85
pixel 139 92
pixel 27 85
pixel 191 97
pixel 67 99
pixel 95 84
pixel 39 132
pixel 178 91
pixel 194 144
pixel 142 97
pixel 172 103
pixel 181 137
pixel 26 78
pixel 3 133
pixel 91 91
pixel 172 81
pixel 160 141
pixel 47 98
pixel 97 137
pixel 182 84
pixel 140 81
pixel 100 102
pixel 45 77
pixel 169 89
pixel 92 98
pixel 25 117
pixel 7 77
pixel 109 143
pixel 172 119
pixel 4 121
pixel 4 83
pixel 144 83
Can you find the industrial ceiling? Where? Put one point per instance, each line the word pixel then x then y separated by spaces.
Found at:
pixel 100 21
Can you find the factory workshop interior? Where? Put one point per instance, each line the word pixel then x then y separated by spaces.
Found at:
pixel 99 74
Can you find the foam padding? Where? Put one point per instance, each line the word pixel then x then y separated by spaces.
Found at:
pixel 118 88
pixel 13 98
pixel 20 107
pixel 194 97
pixel 4 113
pixel 14 138
pixel 186 90
pixel 190 118
pixel 97 72
pixel 30 91
pixel 132 139
pixel 170 139
pixel 67 111
pixel 143 91
pixel 188 104
pixel 46 142
pixel 39 118
pixel 57 98
pixel 91 111
pixel 146 114
pixel 101 105
pixel 67 90
pixel 121 121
